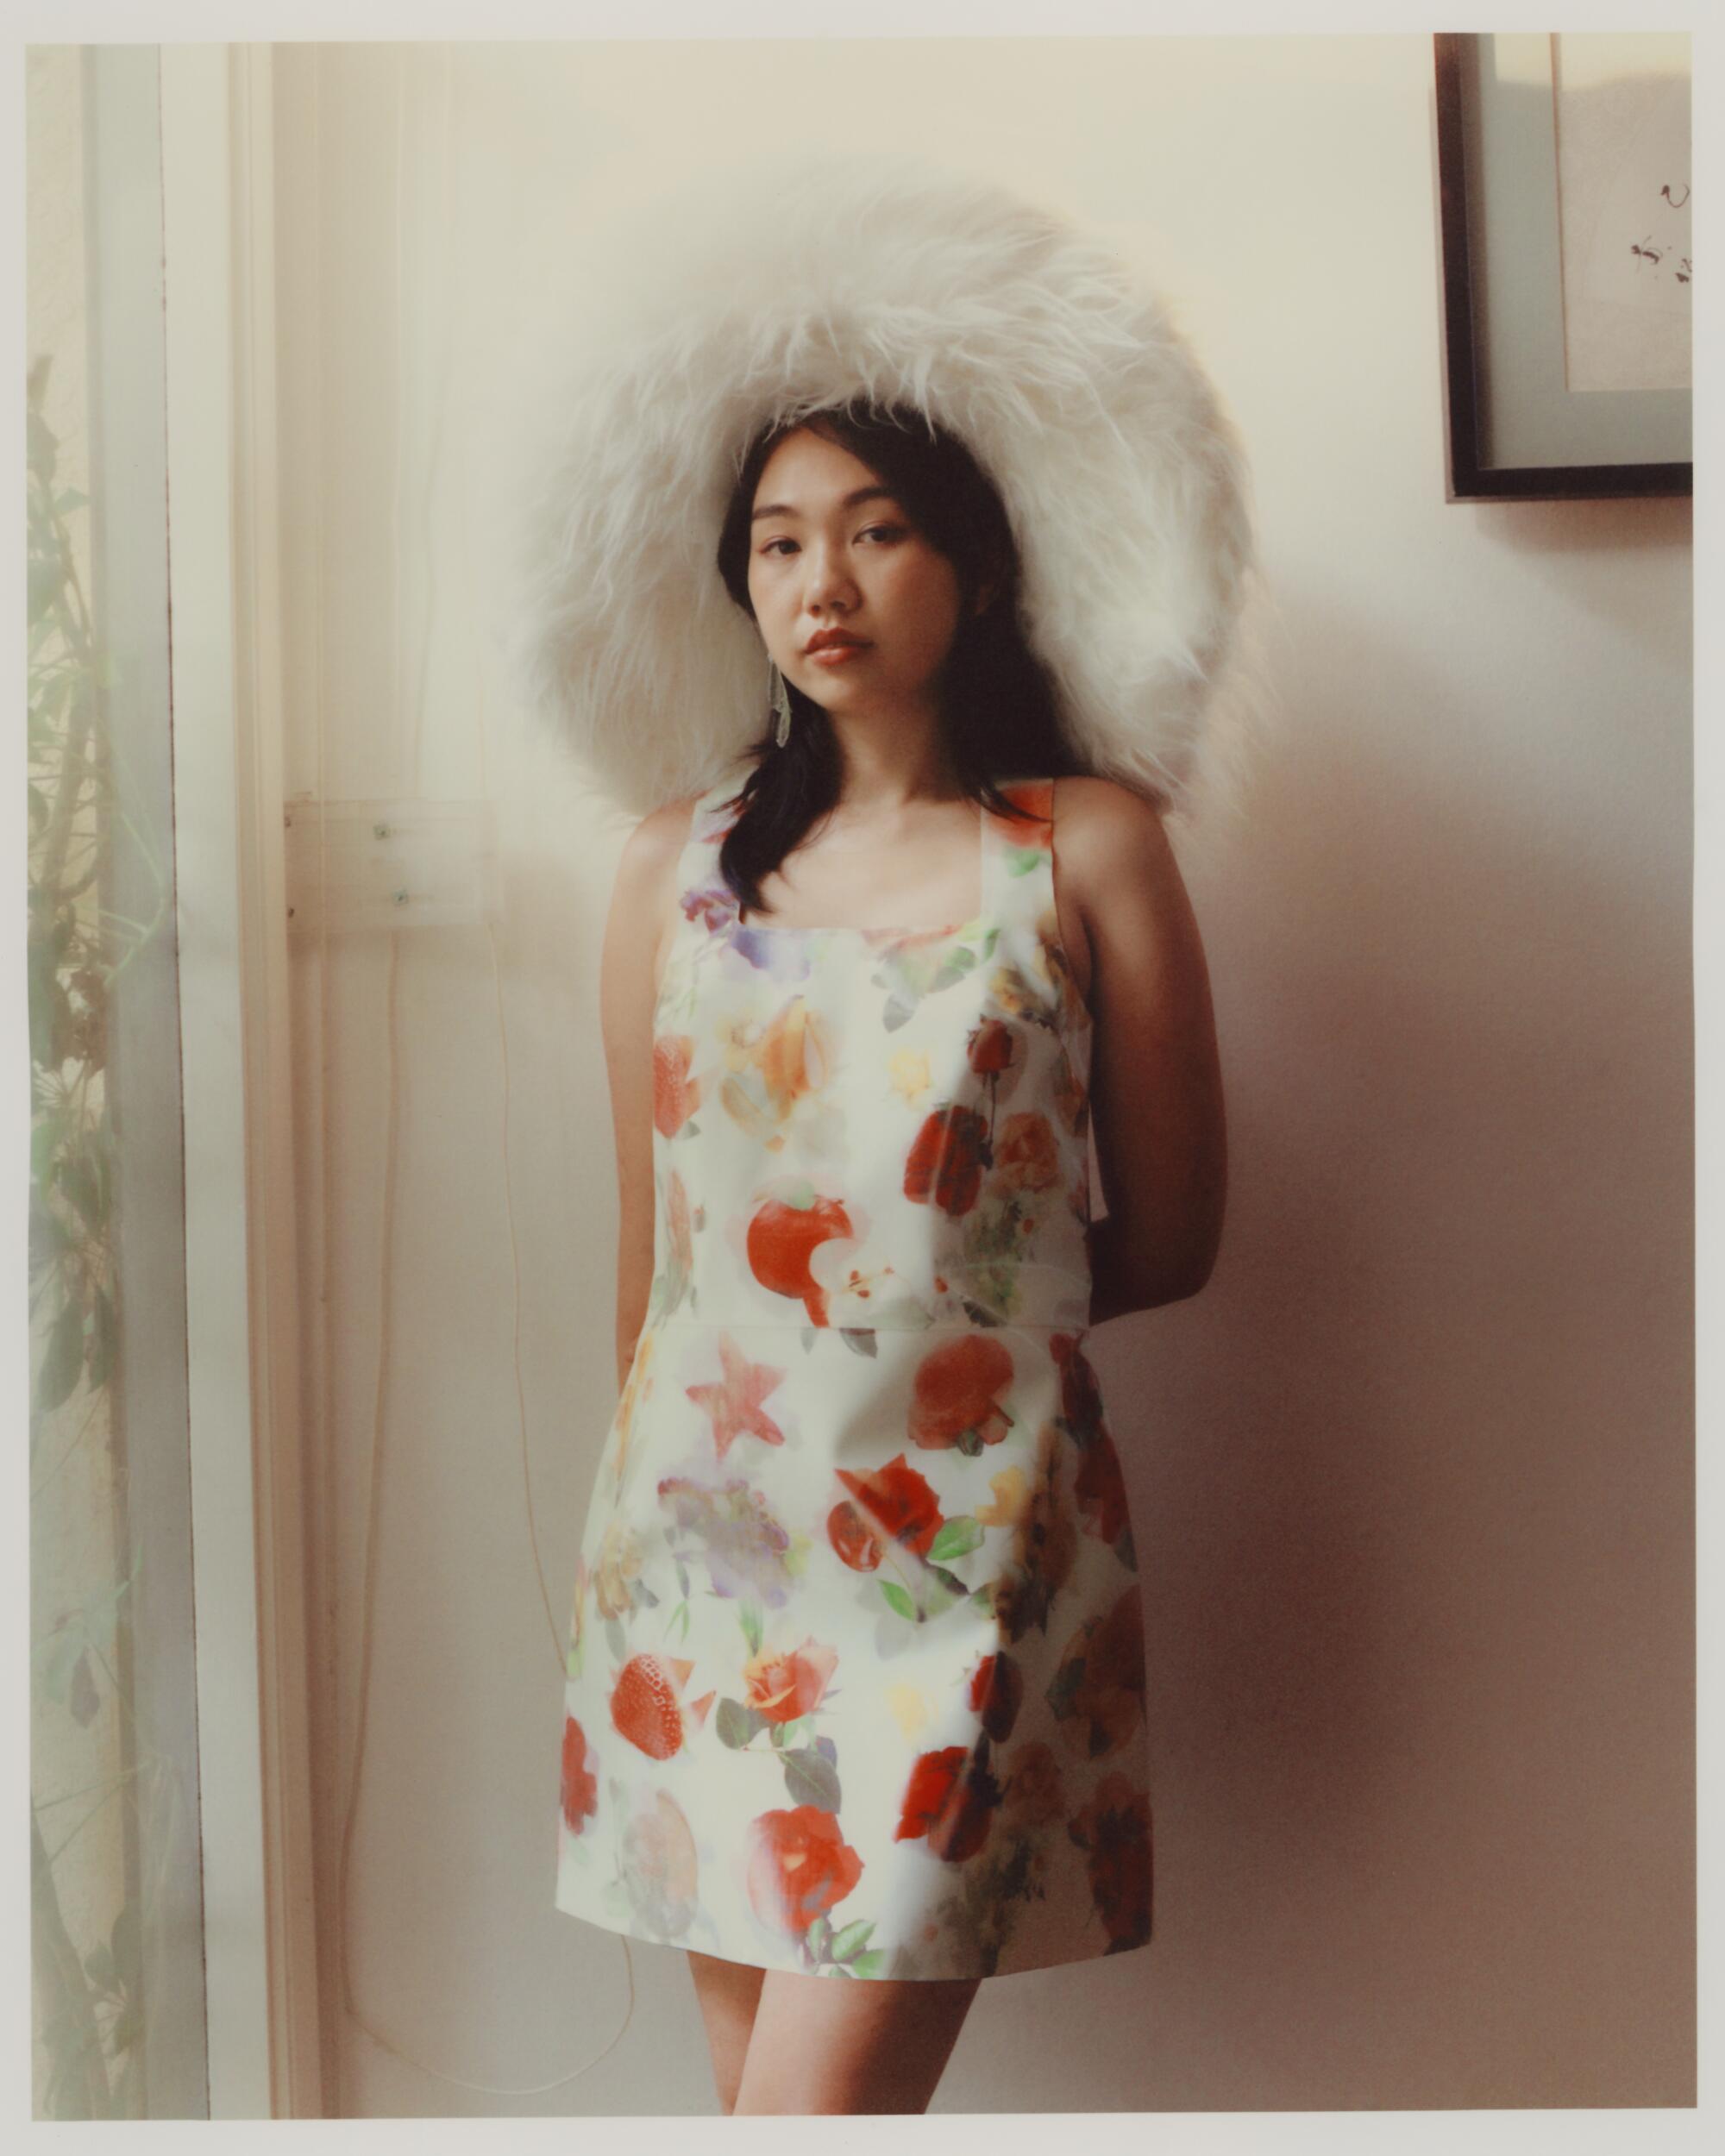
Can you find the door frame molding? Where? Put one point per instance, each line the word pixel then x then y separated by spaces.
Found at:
pixel 242 1320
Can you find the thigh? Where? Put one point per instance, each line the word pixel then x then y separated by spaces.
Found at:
pixel 729 1992
pixel 823 2043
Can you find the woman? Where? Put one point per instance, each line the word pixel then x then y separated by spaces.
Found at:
pixel 854 1686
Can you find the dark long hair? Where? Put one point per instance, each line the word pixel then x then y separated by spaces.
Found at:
pixel 998 711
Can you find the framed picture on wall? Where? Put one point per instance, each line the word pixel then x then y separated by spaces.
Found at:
pixel 1563 185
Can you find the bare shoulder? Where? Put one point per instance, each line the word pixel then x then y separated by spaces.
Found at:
pixel 1111 843
pixel 661 835
pixel 1102 825
pixel 643 900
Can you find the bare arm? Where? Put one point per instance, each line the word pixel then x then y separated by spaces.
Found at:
pixel 637 928
pixel 1156 1097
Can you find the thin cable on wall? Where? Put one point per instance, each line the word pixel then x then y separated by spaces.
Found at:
pixel 388 1221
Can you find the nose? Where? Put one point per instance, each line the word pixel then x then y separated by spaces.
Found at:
pixel 827 581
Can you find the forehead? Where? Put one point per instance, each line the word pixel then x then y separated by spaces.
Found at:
pixel 813 464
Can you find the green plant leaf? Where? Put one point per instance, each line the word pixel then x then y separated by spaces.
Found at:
pixel 63 1360
pixel 956 1537
pixel 735 1723
pixel 811 1779
pixel 852 1940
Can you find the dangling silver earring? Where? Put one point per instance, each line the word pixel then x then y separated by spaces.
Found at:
pixel 781 702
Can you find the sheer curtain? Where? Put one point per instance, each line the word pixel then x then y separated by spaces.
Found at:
pixel 117 1919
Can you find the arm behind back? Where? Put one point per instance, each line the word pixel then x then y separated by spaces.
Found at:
pixel 641 905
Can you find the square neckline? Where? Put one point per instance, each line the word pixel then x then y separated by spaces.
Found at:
pixel 945 931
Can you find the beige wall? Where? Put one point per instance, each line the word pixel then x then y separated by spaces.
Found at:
pixel 1411 1478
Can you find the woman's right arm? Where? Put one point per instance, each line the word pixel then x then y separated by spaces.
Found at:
pixel 636 933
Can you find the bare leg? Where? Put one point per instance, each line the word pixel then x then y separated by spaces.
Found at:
pixel 851 2044
pixel 729 1992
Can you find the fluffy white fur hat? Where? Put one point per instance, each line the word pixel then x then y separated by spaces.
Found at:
pixel 801 282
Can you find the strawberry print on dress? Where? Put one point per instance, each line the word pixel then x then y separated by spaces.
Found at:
pixel 855 1670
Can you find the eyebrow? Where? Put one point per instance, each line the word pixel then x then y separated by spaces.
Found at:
pixel 857 494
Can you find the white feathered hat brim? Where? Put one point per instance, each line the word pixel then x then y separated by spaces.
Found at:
pixel 806 281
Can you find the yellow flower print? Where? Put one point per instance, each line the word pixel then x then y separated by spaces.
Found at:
pixel 908 1073
pixel 619 1560
pixel 1011 1500
pixel 909 1704
pixel 772 1067
pixel 636 1386
pixel 1010 993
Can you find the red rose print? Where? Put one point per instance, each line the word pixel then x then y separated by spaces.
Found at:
pixel 799 1865
pixel 996 1693
pixel 995 1047
pixel 953 1399
pixel 580 1785
pixel 945 1160
pixel 1114 1830
pixel 1105 1703
pixel 782 1238
pixel 1080 1394
pixel 782 1687
pixel 1100 1489
pixel 950 1799
pixel 1026 1154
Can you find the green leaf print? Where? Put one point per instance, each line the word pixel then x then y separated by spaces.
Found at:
pixel 1059 1693
pixel 615 1640
pixel 749 1616
pixel 956 1537
pixel 852 1940
pixel 868 1965
pixel 811 1779
pixel 937 1594
pixel 819 1936
pixel 897 1599
pixel 735 1723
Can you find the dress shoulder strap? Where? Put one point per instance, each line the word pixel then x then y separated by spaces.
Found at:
pixel 1018 852
pixel 712 818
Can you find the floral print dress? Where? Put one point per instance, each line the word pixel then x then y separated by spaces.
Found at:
pixel 856 1674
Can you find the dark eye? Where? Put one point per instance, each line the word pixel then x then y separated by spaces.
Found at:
pixel 771 543
pixel 885 531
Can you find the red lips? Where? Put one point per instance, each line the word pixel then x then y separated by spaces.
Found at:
pixel 828 639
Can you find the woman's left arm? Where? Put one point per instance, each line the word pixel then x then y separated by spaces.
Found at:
pixel 1155 1086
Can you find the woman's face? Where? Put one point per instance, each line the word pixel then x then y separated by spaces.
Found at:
pixel 832 549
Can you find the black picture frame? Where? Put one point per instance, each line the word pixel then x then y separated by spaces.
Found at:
pixel 1470 474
